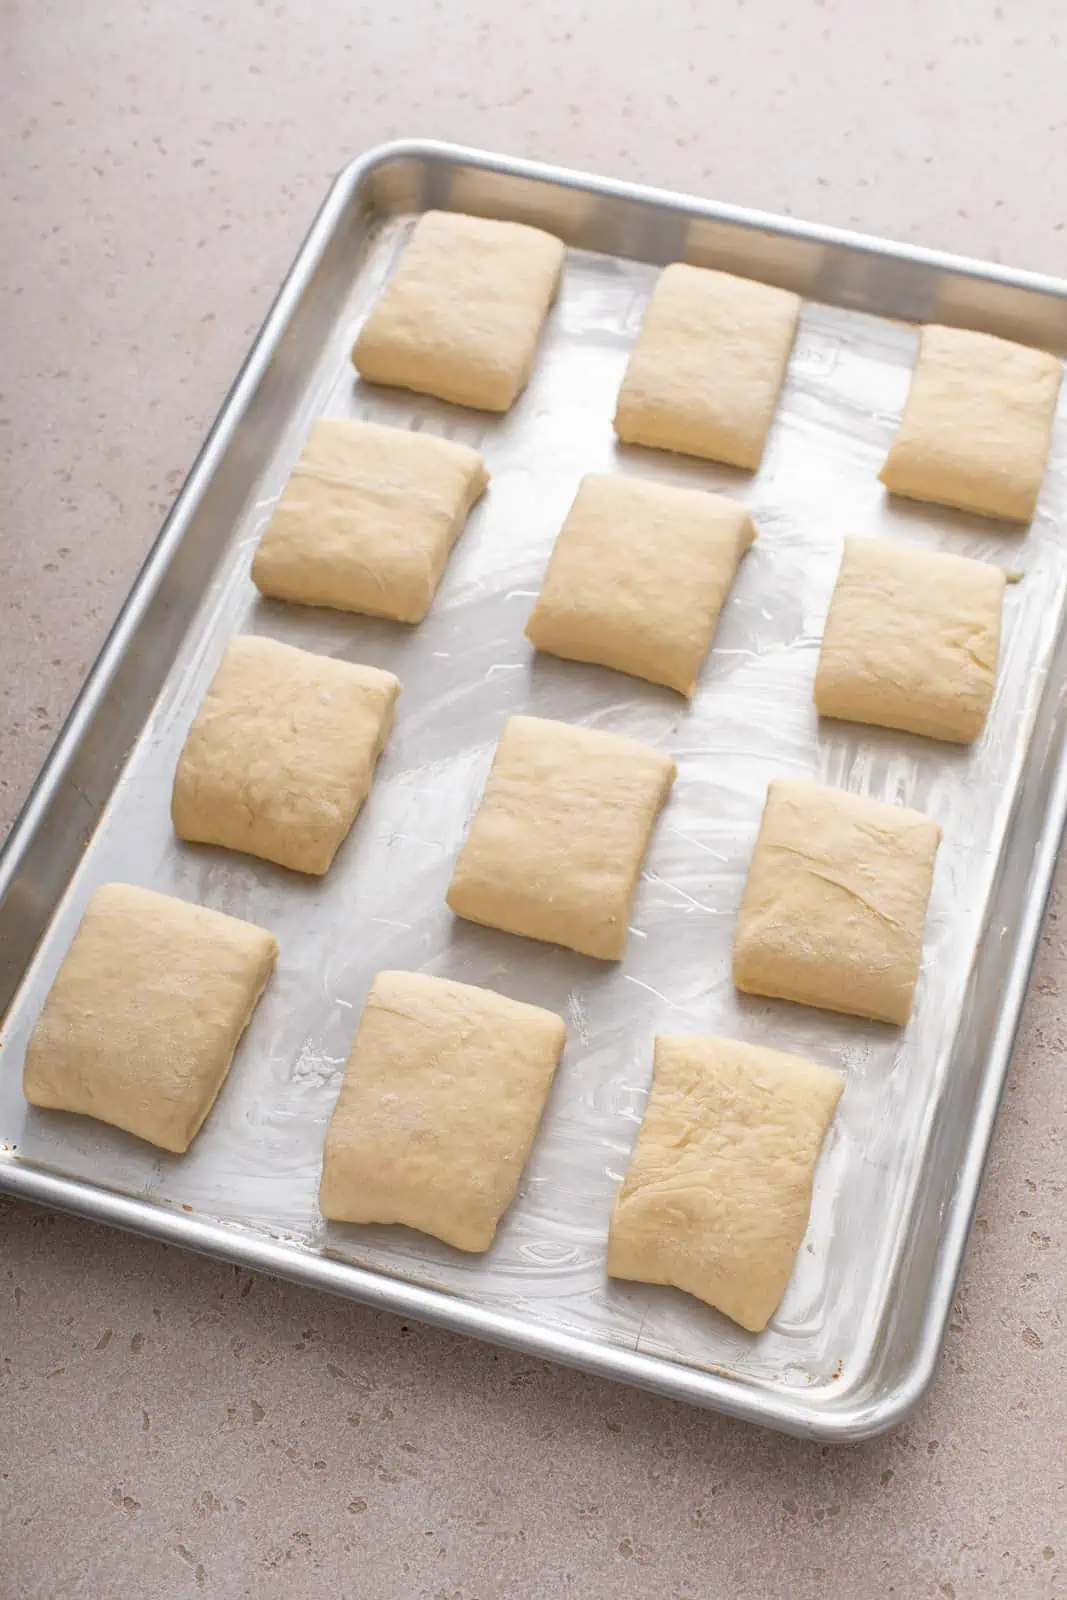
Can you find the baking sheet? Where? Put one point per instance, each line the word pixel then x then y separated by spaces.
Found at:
pixel 466 669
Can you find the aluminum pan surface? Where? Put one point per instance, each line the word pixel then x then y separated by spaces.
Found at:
pixel 467 668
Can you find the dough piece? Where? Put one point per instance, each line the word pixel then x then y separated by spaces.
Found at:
pixel 557 843
pixel 368 518
pixel 976 427
pixel 461 315
pixel 911 640
pixel 440 1102
pixel 835 904
pixel 707 369
pixel 141 1023
pixel 281 754
pixel 718 1194
pixel 638 577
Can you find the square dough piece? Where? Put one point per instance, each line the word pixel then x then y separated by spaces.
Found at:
pixel 638 577
pixel 461 315
pixel 977 423
pixel 281 754
pixel 708 366
pixel 835 904
pixel 142 1021
pixel 440 1102
pixel 557 843
pixel 718 1194
pixel 368 518
pixel 911 640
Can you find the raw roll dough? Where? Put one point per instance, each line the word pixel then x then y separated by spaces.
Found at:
pixel 911 640
pixel 461 315
pixel 638 577
pixel 718 1193
pixel 557 843
pixel 281 754
pixel 835 904
pixel 141 1023
pixel 438 1109
pixel 976 427
pixel 707 369
pixel 368 518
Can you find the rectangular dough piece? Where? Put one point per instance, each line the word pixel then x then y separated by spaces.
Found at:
pixel 638 577
pixel 440 1102
pixel 911 640
pixel 556 845
pixel 461 315
pixel 146 1011
pixel 281 754
pixel 368 518
pixel 718 1193
pixel 835 904
pixel 977 424
pixel 708 366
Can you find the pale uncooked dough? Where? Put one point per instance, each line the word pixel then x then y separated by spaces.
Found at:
pixel 976 427
pixel 557 843
pixel 142 1021
pixel 368 518
pixel 440 1102
pixel 835 904
pixel 638 577
pixel 911 640
pixel 708 366
pixel 718 1193
pixel 281 754
pixel 461 315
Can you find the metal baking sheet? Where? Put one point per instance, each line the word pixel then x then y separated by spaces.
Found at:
pixel 855 1340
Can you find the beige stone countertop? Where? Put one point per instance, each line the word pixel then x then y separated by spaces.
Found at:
pixel 172 1426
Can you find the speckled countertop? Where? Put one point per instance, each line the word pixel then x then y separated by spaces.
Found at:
pixel 175 1427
